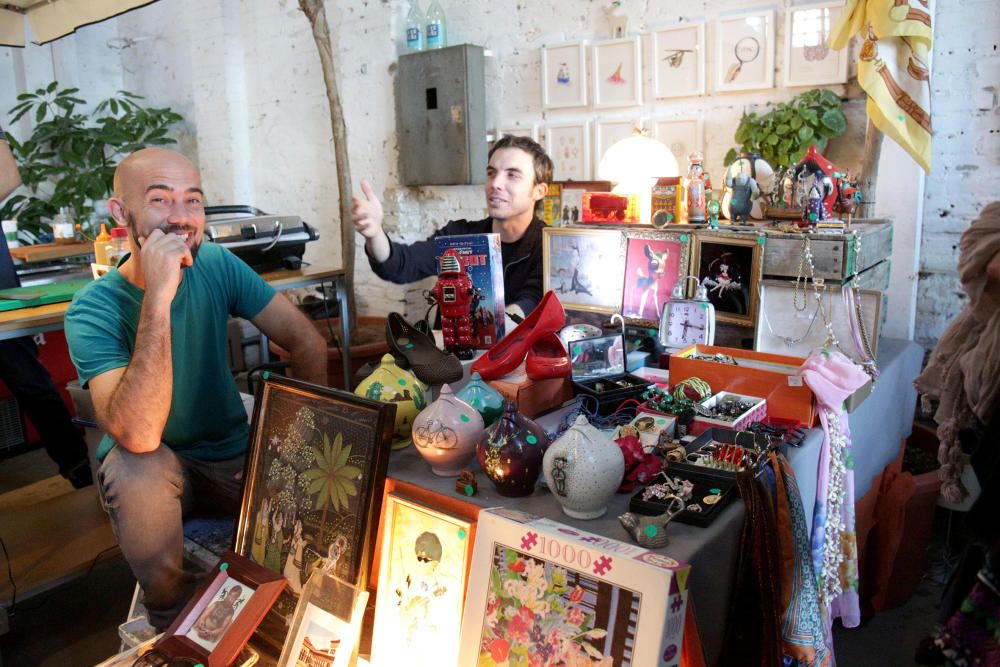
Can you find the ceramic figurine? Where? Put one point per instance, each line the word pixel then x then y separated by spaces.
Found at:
pixel 712 208
pixel 695 186
pixel 651 531
pixel 391 384
pixel 484 398
pixel 510 452
pixel 761 173
pixel 445 433
pixel 583 469
pixel 848 196
pixel 744 193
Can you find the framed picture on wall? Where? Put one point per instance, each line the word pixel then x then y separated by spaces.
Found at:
pixel 678 55
pixel 607 132
pixel 809 61
pixel 313 484
pixel 617 73
pixel 568 144
pixel 529 130
pixel 564 75
pixel 654 262
pixel 729 267
pixel 584 267
pixel 681 135
pixel 744 51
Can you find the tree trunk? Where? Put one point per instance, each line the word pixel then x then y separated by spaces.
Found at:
pixel 316 13
pixel 869 169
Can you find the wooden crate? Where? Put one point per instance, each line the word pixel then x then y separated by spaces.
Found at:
pixel 836 256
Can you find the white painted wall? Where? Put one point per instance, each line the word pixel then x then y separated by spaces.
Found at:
pixel 247 78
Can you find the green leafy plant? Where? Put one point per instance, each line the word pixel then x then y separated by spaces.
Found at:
pixel 70 158
pixel 783 134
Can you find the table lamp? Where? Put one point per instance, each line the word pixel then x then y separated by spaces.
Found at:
pixel 634 164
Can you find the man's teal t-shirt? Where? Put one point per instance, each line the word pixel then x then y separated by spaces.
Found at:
pixel 207 420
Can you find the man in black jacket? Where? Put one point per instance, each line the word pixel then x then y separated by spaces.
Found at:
pixel 517 178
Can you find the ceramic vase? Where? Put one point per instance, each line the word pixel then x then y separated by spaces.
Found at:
pixel 510 452
pixel 583 469
pixel 391 384
pixel 483 398
pixel 446 432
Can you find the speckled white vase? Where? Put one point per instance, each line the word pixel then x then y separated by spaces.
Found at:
pixel 583 468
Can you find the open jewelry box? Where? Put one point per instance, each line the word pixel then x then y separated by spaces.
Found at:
pixel 599 372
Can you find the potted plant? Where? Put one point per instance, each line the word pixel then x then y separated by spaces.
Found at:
pixel 69 160
pixel 783 134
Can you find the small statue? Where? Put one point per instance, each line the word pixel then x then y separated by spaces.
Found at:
pixel 651 531
pixel 466 483
pixel 695 187
pixel 745 191
pixel 848 196
pixel 713 208
pixel 456 297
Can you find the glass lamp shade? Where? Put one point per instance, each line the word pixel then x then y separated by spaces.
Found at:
pixel 634 164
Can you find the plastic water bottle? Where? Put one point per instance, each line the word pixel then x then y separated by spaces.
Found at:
pixel 414 28
pixel 437 37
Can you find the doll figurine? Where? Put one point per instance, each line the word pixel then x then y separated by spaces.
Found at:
pixel 745 190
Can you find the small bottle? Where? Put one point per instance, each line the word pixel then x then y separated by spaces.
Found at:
pixel 414 28
pixel 119 245
pixel 102 244
pixel 62 228
pixel 437 37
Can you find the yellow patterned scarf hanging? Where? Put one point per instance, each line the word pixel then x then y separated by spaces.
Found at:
pixel 893 67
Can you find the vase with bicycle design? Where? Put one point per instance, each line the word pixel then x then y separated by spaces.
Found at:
pixel 446 432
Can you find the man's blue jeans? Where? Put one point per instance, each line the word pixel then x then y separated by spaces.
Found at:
pixel 147 497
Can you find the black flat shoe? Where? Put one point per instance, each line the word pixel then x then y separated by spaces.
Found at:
pixel 416 350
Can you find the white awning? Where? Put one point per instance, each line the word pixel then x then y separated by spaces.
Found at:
pixel 51 19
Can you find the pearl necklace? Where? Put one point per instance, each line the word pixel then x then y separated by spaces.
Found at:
pixel 833 555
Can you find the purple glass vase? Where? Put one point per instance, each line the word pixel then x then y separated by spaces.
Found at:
pixel 511 452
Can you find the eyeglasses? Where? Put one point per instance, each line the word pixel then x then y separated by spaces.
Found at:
pixel 157 658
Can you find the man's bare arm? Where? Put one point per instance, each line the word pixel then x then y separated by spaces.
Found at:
pixel 10 177
pixel 285 325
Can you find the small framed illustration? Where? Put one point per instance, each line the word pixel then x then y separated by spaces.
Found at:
pixel 654 262
pixel 678 57
pixel 584 267
pixel 609 131
pixel 421 587
pixel 529 130
pixel 326 625
pixel 681 135
pixel 744 52
pixel 729 266
pixel 313 483
pixel 568 144
pixel 809 61
pixel 564 75
pixel 617 73
pixel 223 612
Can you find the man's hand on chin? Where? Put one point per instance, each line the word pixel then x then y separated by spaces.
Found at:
pixel 164 256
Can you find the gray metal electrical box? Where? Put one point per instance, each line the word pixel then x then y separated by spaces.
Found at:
pixel 441 108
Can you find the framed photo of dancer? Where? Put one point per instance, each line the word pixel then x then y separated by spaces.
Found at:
pixel 314 477
pixel 564 75
pixel 744 51
pixel 615 67
pixel 729 267
pixel 584 267
pixel 223 612
pixel 654 262
pixel 809 61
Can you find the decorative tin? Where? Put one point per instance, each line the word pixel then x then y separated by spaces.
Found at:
pixel 511 451
pixel 391 384
pixel 445 433
pixel 583 468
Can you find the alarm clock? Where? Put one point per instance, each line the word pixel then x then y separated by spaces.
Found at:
pixel 685 322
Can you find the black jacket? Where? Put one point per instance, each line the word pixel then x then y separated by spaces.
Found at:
pixel 522 261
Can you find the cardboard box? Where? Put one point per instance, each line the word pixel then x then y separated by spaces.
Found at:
pixel 594 597
pixel 481 259
pixel 773 377
pixel 533 397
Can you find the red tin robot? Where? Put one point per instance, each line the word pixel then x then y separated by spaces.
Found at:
pixel 456 298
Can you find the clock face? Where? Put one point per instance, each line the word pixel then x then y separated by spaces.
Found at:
pixel 686 322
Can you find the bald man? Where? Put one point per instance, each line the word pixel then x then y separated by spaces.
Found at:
pixel 149 340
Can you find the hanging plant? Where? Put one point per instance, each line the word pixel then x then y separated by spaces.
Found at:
pixel 783 134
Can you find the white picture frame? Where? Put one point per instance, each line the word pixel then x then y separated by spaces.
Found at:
pixel 564 75
pixel 744 51
pixel 531 131
pixel 808 59
pixel 678 57
pixel 568 144
pixel 608 131
pixel 616 71
pixel 681 134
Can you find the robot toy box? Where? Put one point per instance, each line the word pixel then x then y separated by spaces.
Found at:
pixel 480 257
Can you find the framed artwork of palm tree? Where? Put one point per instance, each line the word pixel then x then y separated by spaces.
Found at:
pixel 313 485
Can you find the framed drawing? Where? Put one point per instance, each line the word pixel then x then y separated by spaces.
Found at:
pixel 564 75
pixel 681 135
pixel 568 144
pixel 617 73
pixel 654 262
pixel 326 625
pixel 729 266
pixel 226 608
pixel 678 57
pixel 530 131
pixel 744 51
pixel 421 584
pixel 808 59
pixel 314 476
pixel 608 132
pixel 584 267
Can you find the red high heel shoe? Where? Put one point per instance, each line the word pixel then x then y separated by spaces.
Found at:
pixel 547 358
pixel 547 317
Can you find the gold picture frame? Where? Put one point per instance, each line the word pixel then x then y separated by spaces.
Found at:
pixel 729 266
pixel 654 262
pixel 585 267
